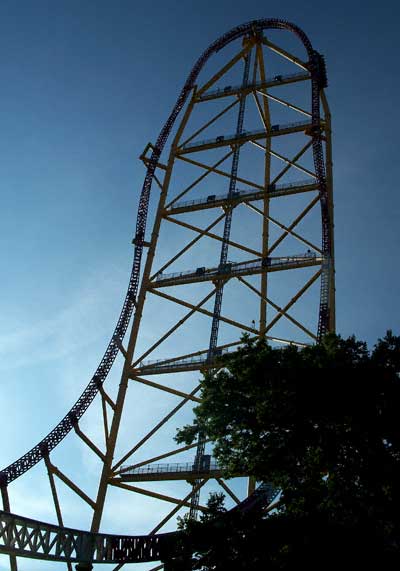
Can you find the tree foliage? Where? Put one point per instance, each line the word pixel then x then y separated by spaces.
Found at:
pixel 321 424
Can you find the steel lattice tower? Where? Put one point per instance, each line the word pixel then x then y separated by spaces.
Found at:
pixel 239 244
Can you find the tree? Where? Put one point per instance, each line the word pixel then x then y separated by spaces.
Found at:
pixel 321 424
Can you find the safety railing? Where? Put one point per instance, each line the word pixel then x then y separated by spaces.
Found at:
pixel 275 80
pixel 194 360
pixel 222 139
pixel 232 268
pixel 243 193
pixel 178 467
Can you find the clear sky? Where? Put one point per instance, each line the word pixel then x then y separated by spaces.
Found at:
pixel 84 86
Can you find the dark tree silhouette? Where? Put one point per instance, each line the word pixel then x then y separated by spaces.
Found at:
pixel 321 424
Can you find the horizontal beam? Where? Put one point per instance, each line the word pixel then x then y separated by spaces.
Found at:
pixel 228 140
pixel 275 81
pixel 135 377
pixel 156 458
pixel 232 270
pixel 151 494
pixel 238 197
pixel 151 476
pixel 222 318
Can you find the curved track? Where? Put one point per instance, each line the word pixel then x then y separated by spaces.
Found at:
pixel 25 537
pixel 316 68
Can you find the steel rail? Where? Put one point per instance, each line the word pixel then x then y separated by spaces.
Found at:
pixel 25 537
pixel 316 68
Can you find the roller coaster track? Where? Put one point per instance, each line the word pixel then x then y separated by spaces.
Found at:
pixel 316 69
pixel 318 77
pixel 27 537
pixel 39 540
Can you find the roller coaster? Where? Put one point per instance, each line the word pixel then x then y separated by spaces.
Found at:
pixel 244 174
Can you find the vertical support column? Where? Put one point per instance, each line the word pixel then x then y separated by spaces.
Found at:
pixel 259 63
pixel 54 491
pixel 55 497
pixel 126 372
pixel 6 507
pixel 267 180
pixel 329 186
pixel 194 504
pixel 228 215
pixel 5 498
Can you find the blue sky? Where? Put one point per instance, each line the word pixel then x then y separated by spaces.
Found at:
pixel 85 85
